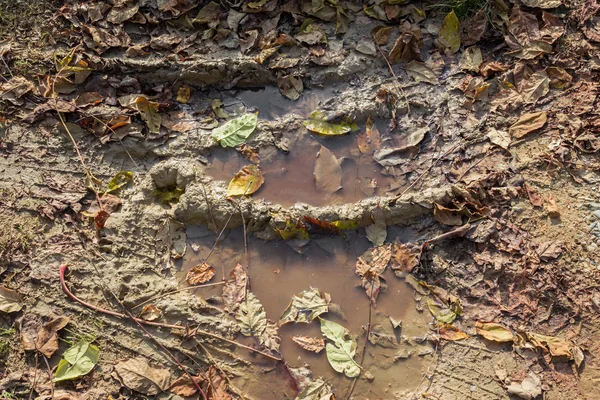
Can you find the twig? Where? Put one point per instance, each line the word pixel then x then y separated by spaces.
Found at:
pixel 176 291
pixel 195 331
pixel 49 376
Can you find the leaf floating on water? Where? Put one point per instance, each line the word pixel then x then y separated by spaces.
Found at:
pixel 494 332
pixel 236 131
pixel 77 361
pixel 234 291
pixel 317 390
pixel 9 301
pixel 317 123
pixel 340 348
pixel 137 375
pixel 528 123
pixel 452 333
pixel 252 316
pixel 368 141
pixel 293 230
pixel 370 266
pixel 306 306
pixel 150 313
pixel 328 171
pixel 149 113
pixel 290 86
pixel 449 35
pixel 247 181
pixel 309 343
pixel 199 274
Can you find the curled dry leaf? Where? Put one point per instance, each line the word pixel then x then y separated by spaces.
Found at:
pixel 554 345
pixel 370 266
pixel 317 390
pixel 150 313
pixel 199 274
pixel 452 333
pixel 309 343
pixel 9 300
pixel 42 338
pixel 494 332
pixel 247 181
pixel 149 112
pixel 138 375
pixel 234 290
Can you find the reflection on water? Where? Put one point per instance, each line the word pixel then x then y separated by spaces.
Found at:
pixel 277 273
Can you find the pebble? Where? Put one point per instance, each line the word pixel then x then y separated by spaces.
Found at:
pixel 597 214
pixel 593 225
pixel 594 206
pixel 592 247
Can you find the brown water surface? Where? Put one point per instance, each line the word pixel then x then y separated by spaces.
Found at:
pixel 277 273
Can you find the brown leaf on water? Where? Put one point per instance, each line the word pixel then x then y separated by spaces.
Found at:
pixel 138 375
pixel 405 257
pixel 370 266
pixel 368 141
pixel 494 332
pixel 290 86
pixel 150 313
pixel 43 338
pixel 528 123
pixel 250 153
pixel 199 274
pixel 452 333
pixel 234 290
pixel 247 181
pixel 328 171
pixel 310 343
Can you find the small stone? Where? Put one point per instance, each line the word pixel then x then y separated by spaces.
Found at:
pixel 369 376
pixel 597 214
pixel 593 225
pixel 592 247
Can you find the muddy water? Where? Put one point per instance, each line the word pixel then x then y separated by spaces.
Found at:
pixel 289 177
pixel 277 273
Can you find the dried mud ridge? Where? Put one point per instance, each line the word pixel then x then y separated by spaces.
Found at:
pixel 487 142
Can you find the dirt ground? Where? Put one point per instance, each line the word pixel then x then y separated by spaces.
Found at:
pixel 442 203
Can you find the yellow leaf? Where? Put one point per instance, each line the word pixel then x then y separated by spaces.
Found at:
pixel 450 332
pixel 184 93
pixel 556 346
pixel 247 181
pixel 494 332
pixel 449 34
pixel 149 113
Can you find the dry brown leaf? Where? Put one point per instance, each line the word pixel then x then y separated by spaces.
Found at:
pixel 494 332
pixel 370 266
pixel 234 291
pixel 369 140
pixel 405 258
pixel 184 93
pixel 9 300
pixel 138 375
pixel 555 345
pixel 42 338
pixel 184 387
pixel 534 197
pixel 452 333
pixel 150 313
pixel 328 171
pixel 552 207
pixel 310 343
pixel 528 123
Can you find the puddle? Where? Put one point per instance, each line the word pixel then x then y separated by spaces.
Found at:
pixel 277 273
pixel 289 178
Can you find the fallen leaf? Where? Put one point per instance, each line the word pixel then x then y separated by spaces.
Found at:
pixel 377 231
pixel 452 333
pixel 554 345
pixel 449 216
pixel 475 27
pixel 534 197
pixel 42 338
pixel 383 336
pixel 369 266
pixel 471 59
pixel 184 387
pixel 149 113
pixel 293 230
pixel 118 15
pixel 247 181
pixel 499 138
pixel 368 140
pixel 88 99
pixel 317 390
pixel 542 3
pixel 449 34
pixel 340 348
pixel 252 316
pixel 207 14
pixel 406 48
pixel 217 389
pixel 536 87
pixel 311 35
pixel 552 207
pixel 317 123
pixel 199 274
pixel 421 73
pixel 494 332
pixel 78 360
pixel 441 311
pixel 381 34
pixel 236 131
pixel 528 123
pixel 290 86
pixel 328 171
pixel 322 227
pixel 138 375
pixel 309 343
pixel 184 93
pixel 118 181
pixel 217 107
pixel 578 356
pixel 150 313
pixel 15 88
pixel 529 389
pixel 234 291
pixel 405 257
pixel 9 301
pixel 559 78
pixel 306 306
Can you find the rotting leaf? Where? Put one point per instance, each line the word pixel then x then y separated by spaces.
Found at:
pixel 494 332
pixel 9 301
pixel 236 131
pixel 369 266
pixel 77 361
pixel 247 181
pixel 559 78
pixel 340 348
pixel 121 179
pixel 184 93
pixel 405 258
pixel 452 333
pixel 471 59
pixel 317 123
pixel 322 227
pixel 293 230
pixel 449 35
pixel 234 291
pixel 168 195
pixel 183 386
pixel 529 388
pixel 199 274
pixel 306 306
pixel 252 316
pixel 290 86
pixel 421 73
pixel 368 141
pixel 312 34
pixel 377 231
pixel 44 338
pixel 310 343
pixel 328 171
pixel 441 311
pixel 150 313
pixel 317 390
pixel 149 113
pixel 138 375
pixel 381 34
pixel 528 123
pixel 207 14
pixel 217 107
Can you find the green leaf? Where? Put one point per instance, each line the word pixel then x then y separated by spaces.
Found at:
pixel 252 316
pixel 340 349
pixel 317 123
pixel 317 390
pixel 247 181
pixel 440 311
pixel 449 34
pixel 235 132
pixel 121 179
pixel 77 361
pixel 306 306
